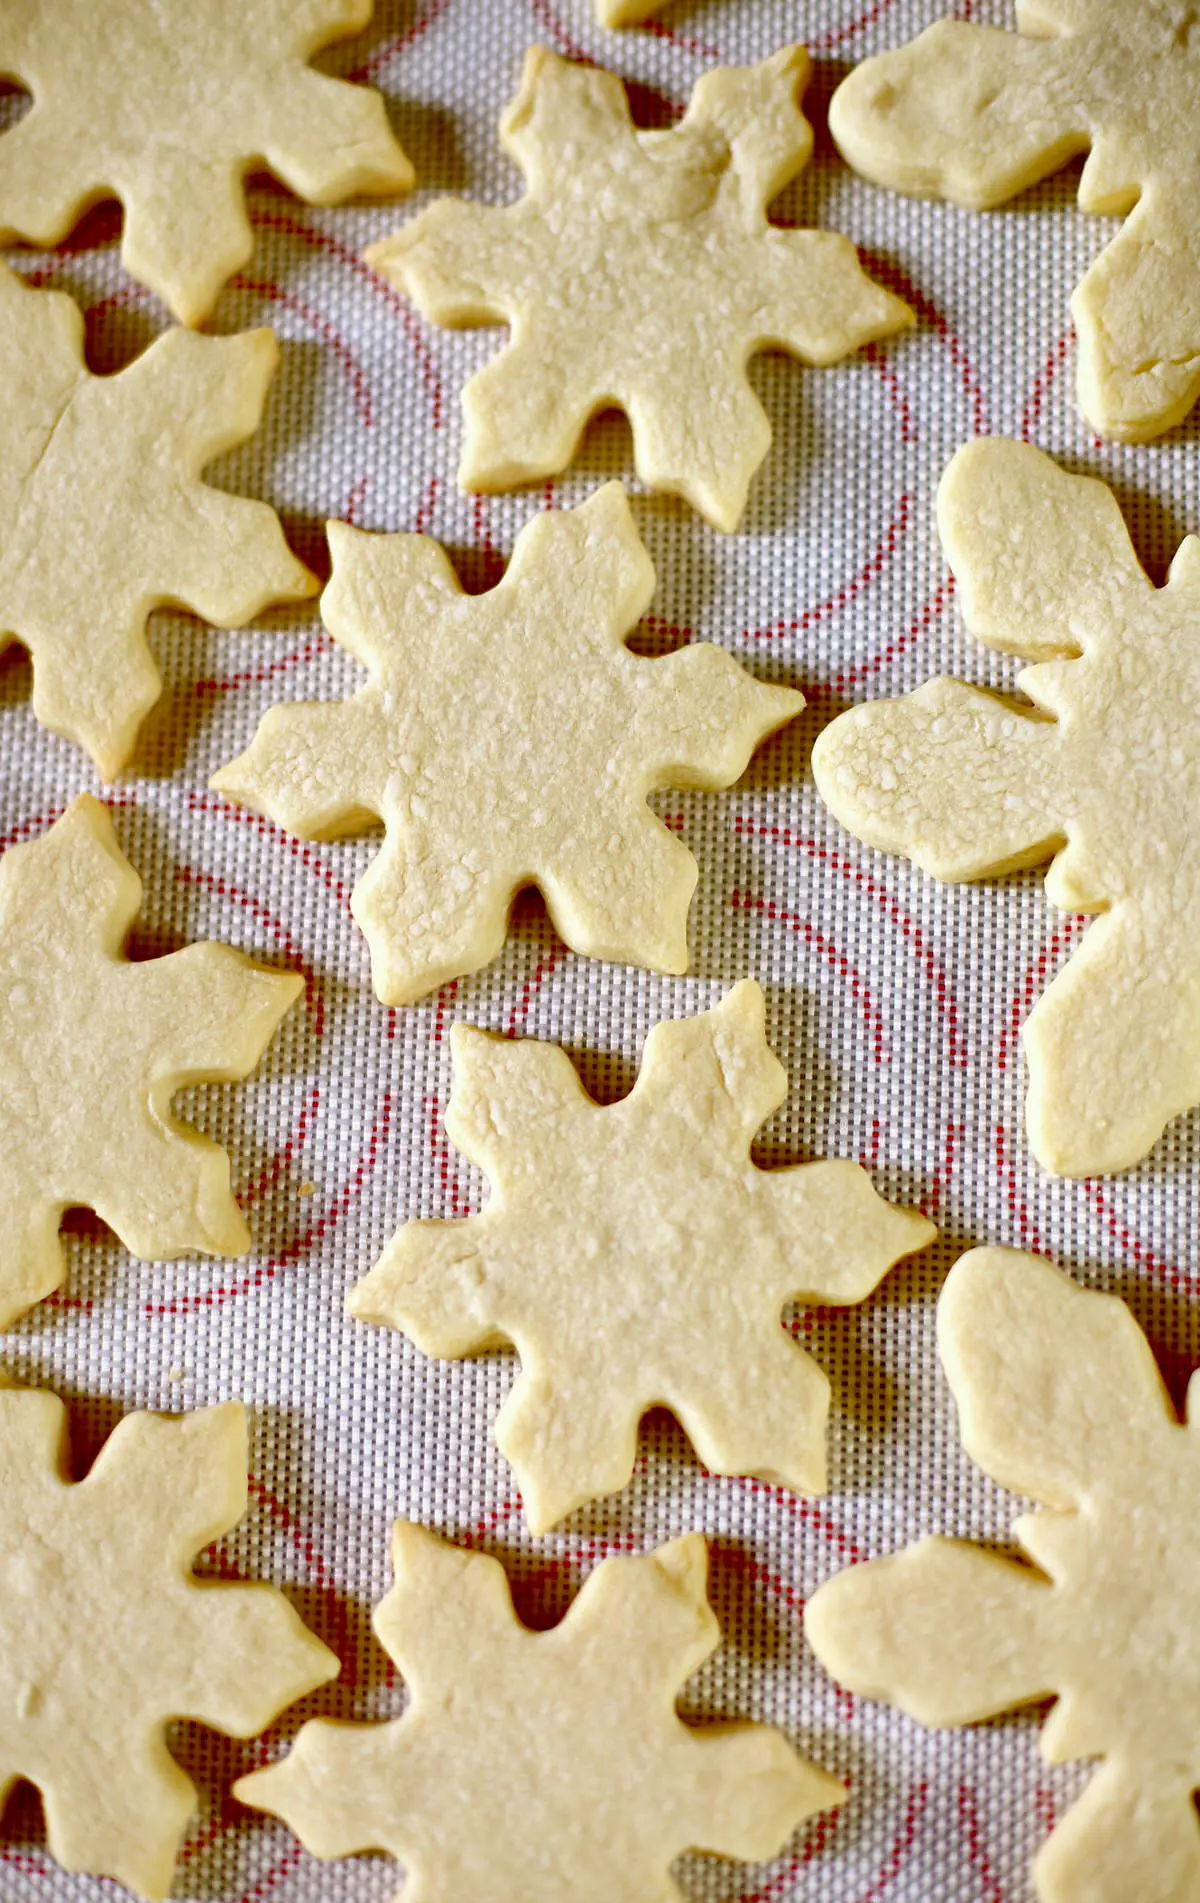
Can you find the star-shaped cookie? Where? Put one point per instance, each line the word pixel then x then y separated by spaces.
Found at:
pixel 639 270
pixel 93 1049
pixel 166 105
pixel 508 739
pixel 540 1765
pixel 107 1636
pixel 636 1255
pixel 103 515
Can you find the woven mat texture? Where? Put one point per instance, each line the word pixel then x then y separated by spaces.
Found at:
pixel 894 1004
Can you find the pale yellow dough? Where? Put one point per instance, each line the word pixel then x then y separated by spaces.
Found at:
pixel 639 270
pixel 974 114
pixel 107 1636
pixel 1101 774
pixel 92 1050
pixel 635 1255
pixel 1058 1398
pixel 542 1767
pixel 508 739
pixel 103 515
pixel 167 104
pixel 627 12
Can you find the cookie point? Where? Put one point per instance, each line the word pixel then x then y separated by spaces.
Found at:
pixel 230 1417
pixel 225 781
pixel 980 1276
pixel 85 809
pixel 746 995
pixel 793 59
pixel 380 250
pixel 289 985
pixel 685 1559
pixel 923 1229
pixel 244 1789
pixel 259 342
pixel 465 1039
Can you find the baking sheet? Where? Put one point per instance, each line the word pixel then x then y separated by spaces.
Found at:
pixel 895 1006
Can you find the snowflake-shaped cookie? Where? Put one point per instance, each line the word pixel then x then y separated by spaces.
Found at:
pixel 974 114
pixel 508 739
pixel 639 270
pixel 107 1636
pixel 92 1050
pixel 636 1255
pixel 969 784
pixel 103 515
pixel 542 1764
pixel 167 105
pixel 1059 1398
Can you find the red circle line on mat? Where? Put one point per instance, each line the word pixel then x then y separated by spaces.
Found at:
pixel 1056 356
pixel 684 42
pixel 258 287
pixel 256 1278
pixel 42 822
pixel 972 1833
pixel 324 331
pixel 920 624
pixel 268 1177
pixel 909 930
pixel 1063 939
pixel 211 804
pixel 816 1837
pixel 838 35
pixel 554 957
pixel 317 644
pixel 890 274
pixel 872 567
pixel 548 18
pixel 1014 1200
pixel 1142 1254
pixel 318 240
pixel 819 1835
pixel 399 44
pixel 832 956
pixel 850 590
pixel 807 1513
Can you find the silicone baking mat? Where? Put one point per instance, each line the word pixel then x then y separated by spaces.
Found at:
pixel 895 1005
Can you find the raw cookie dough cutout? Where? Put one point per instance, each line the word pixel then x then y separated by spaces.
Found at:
pixel 547 1764
pixel 103 515
pixel 508 739
pixel 92 1050
pixel 636 1255
pixel 107 1636
pixel 639 271
pixel 1058 1398
pixel 1101 775
pixel 974 114
pixel 166 105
